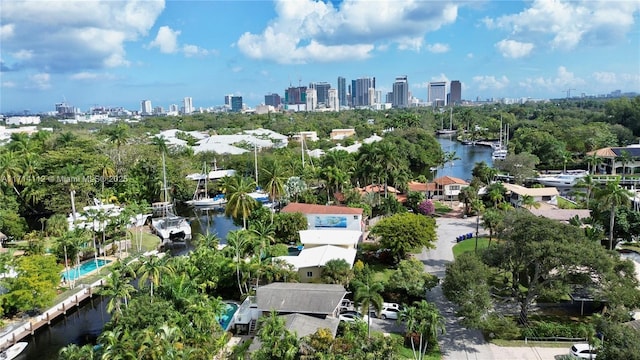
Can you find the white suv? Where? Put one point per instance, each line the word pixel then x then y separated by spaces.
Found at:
pixel 583 351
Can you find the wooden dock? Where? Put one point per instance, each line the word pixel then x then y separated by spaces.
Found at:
pixel 45 319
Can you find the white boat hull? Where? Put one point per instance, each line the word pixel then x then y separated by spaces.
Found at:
pixel 13 351
pixel 174 228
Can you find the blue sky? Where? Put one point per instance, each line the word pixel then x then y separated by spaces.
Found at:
pixel 117 53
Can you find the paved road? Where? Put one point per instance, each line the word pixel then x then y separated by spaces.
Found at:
pixel 460 343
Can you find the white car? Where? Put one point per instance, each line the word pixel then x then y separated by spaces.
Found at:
pixel 387 313
pixel 352 316
pixel 583 351
pixel 391 305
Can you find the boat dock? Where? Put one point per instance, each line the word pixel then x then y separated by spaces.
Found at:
pixel 47 317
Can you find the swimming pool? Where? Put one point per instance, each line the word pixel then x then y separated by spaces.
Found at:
pixel 225 319
pixel 83 269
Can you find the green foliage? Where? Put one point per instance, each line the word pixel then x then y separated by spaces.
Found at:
pixel 552 329
pixel 410 280
pixel 35 285
pixel 405 232
pixel 288 225
pixel 337 271
pixel 501 327
pixel 620 342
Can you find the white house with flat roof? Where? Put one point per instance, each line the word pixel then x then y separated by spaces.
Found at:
pixel 328 217
pixel 516 193
pixel 345 238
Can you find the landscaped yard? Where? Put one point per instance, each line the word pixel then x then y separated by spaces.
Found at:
pixel 470 245
pixel 407 353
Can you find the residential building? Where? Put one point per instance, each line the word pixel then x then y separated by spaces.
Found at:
pixel 22 120
pixel 145 107
pixel 187 107
pixel 158 110
pixel 328 217
pixel 437 93
pixel 322 91
pixel 342 91
pixel 455 92
pixel 400 98
pixel 562 215
pixel 173 108
pixel 448 187
pixel 339 134
pixel 360 93
pixel 617 160
pixel 372 96
pixel 515 194
pixel 227 100
pixel 333 100
pixel 273 100
pixel 306 135
pixel 312 99
pixel 236 104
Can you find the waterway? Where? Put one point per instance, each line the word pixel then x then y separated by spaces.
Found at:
pixel 469 155
pixel 85 325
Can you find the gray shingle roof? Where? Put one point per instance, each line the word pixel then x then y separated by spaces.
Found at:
pixel 304 325
pixel 300 298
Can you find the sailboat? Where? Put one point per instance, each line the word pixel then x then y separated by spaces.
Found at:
pixel 206 201
pixel 168 226
pixel 449 131
pixel 500 150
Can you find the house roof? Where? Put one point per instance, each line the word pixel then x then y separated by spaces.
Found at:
pixel 300 298
pixel 378 189
pixel 319 256
pixel 561 214
pixel 613 152
pixel 421 187
pixel 309 209
pixel 304 325
pixel 535 192
pixel 335 237
pixel 449 180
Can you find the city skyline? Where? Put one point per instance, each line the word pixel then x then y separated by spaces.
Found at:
pixel 120 53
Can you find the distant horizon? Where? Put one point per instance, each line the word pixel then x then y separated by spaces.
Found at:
pixel 118 53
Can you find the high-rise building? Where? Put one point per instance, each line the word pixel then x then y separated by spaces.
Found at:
pixel 455 93
pixel 372 96
pixel 295 95
pixel 400 97
pixel 360 91
pixel 236 104
pixel 145 107
pixel 227 100
pixel 333 100
pixel 437 93
pixel 322 91
pixel 273 100
pixel 158 110
pixel 187 107
pixel 312 99
pixel 173 108
pixel 342 91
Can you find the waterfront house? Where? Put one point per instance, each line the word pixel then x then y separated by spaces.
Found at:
pixel 328 217
pixel 615 158
pixel 515 194
pixel 448 187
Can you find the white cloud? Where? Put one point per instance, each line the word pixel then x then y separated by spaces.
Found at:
pixel 567 24
pixel 514 49
pixel 563 80
pixel 88 75
pixel 193 50
pixel 8 84
pixel 605 77
pixel 438 48
pixel 470 56
pixel 166 40
pixel 484 82
pixel 40 81
pixel 23 54
pixel 310 31
pixel 618 81
pixel 70 35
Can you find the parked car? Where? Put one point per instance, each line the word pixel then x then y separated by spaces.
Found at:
pixel 583 351
pixel 386 313
pixel 391 305
pixel 353 316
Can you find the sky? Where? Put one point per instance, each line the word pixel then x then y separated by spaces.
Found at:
pixel 118 53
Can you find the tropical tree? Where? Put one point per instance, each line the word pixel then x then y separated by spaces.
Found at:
pixel 423 320
pixel 368 295
pixel 274 174
pixel 492 220
pixel 239 203
pixel 477 205
pixel 593 160
pixel 238 243
pixel 10 170
pixel 624 158
pixel 405 232
pixel 529 202
pixel 152 268
pixel 278 343
pixel 119 289
pixel 118 135
pixel 610 197
pixel 466 196
pixel 589 185
pixel 337 271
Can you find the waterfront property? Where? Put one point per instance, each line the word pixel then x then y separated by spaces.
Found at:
pixel 515 194
pixel 226 319
pixel 85 268
pixel 621 160
pixel 328 217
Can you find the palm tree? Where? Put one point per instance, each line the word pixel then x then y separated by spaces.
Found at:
pixel 73 173
pixel 611 197
pixel 390 161
pixel 274 173
pixel 368 295
pixel 264 235
pixel 565 156
pixel 466 196
pixel 10 170
pixel 529 201
pixel 237 243
pixel 152 268
pixel 119 289
pixel 106 172
pixel 625 158
pixel 423 319
pixel 160 143
pixel 119 136
pixel 587 183
pixel 491 219
pixel 239 203
pixel 478 208
pixel 593 160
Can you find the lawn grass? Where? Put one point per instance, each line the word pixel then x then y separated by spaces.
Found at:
pixel 407 353
pixel 522 343
pixel 149 241
pixel 566 204
pixel 470 245
pixel 381 273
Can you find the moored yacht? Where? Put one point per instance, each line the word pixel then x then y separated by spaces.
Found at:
pixel 567 179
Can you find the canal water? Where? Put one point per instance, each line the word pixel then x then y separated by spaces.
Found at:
pixel 85 325
pixel 469 155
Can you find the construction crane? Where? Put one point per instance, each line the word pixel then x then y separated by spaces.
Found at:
pixel 568 91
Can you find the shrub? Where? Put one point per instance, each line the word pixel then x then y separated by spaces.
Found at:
pixel 500 327
pixel 553 329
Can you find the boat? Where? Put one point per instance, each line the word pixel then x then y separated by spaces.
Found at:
pixel 500 151
pixel 167 225
pixel 563 180
pixel 499 154
pixel 112 211
pixel 201 196
pixel 449 131
pixel 13 351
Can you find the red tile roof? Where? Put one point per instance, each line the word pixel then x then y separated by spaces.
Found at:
pixel 320 209
pixel 421 187
pixel 448 180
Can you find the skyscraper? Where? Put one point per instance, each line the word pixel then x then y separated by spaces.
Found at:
pixel 360 91
pixel 236 103
pixel 400 97
pixel 455 92
pixel 322 91
pixel 295 95
pixel 187 105
pixel 312 99
pixel 273 100
pixel 227 100
pixel 437 93
pixel 145 107
pixel 342 91
pixel 333 101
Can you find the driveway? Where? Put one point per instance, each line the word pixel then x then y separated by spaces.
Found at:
pixel 460 343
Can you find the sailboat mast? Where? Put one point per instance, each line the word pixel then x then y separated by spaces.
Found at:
pixel 302 149
pixel 451 118
pixel 164 179
pixel 255 160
